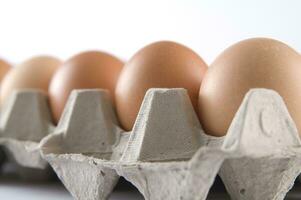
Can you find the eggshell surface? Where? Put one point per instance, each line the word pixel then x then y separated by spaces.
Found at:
pixel 4 68
pixel 159 65
pixel 34 73
pixel 252 63
pixel 87 70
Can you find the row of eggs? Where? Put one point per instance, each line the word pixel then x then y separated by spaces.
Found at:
pixel 215 92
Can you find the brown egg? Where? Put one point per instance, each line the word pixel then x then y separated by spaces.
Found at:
pixel 253 63
pixel 86 70
pixel 158 65
pixel 4 68
pixel 34 73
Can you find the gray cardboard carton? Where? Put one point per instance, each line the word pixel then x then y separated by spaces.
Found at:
pixel 163 156
pixel 269 149
pixel 167 155
pixel 25 120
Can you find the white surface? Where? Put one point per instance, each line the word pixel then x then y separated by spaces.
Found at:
pixel 17 190
pixel 21 191
pixel 64 28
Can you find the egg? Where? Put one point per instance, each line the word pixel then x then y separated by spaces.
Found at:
pixel 34 73
pixel 252 63
pixel 162 64
pixel 4 68
pixel 87 70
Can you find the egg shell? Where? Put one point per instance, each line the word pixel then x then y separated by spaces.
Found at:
pixel 87 70
pixel 34 73
pixel 4 68
pixel 162 64
pixel 252 63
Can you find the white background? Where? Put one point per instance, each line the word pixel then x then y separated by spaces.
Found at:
pixel 65 27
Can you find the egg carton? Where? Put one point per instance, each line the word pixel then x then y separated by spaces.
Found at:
pixel 167 155
pixel 163 156
pixel 269 149
pixel 24 121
